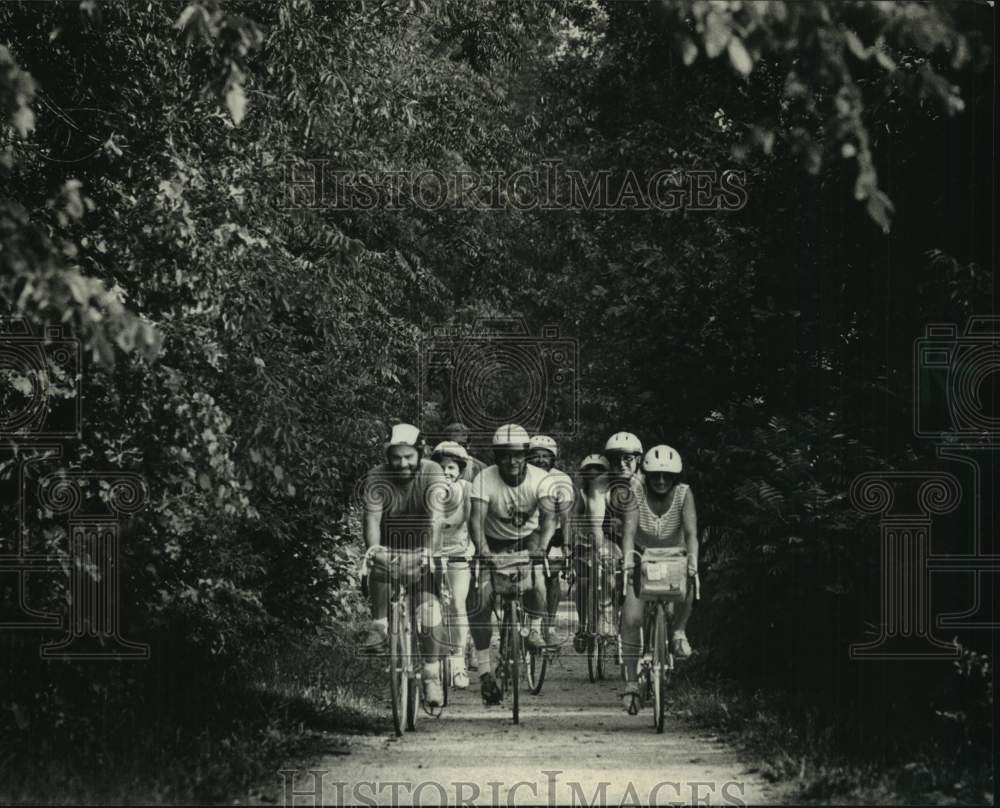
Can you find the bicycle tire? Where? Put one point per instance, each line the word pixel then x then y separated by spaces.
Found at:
pixel 659 667
pixel 537 664
pixel 414 672
pixel 592 652
pixel 398 682
pixel 514 658
pixel 445 674
pixel 502 672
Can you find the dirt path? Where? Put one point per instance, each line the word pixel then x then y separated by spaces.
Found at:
pixel 574 745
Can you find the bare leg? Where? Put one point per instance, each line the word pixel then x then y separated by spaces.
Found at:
pixel 632 614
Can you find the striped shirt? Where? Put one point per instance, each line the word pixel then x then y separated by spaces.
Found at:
pixel 662 531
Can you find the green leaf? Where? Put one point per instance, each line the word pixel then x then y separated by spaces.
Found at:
pixel 855 45
pixel 237 103
pixel 739 57
pixel 717 35
pixel 689 51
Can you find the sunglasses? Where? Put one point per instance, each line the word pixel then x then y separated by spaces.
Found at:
pixel 658 475
pixel 510 455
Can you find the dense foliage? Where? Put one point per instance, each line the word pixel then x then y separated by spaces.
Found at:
pixel 245 354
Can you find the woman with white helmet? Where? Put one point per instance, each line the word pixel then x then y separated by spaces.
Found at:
pixel 664 516
pixel 586 539
pixel 543 452
pixel 612 495
pixel 455 541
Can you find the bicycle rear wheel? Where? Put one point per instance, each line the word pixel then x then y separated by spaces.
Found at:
pixel 515 662
pixel 398 681
pixel 536 663
pixel 413 669
pixel 502 674
pixel 659 667
pixel 445 675
pixel 593 657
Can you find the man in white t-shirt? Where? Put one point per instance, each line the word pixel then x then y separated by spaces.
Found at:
pixel 511 511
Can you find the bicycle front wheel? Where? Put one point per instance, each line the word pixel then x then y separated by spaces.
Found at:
pixel 398 681
pixel 659 667
pixel 413 670
pixel 445 676
pixel 593 657
pixel 514 658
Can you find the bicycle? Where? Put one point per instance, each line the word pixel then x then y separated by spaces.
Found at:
pixel 656 662
pixel 603 607
pixel 536 660
pixel 513 656
pixel 404 570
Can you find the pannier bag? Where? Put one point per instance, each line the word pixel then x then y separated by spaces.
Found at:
pixel 664 574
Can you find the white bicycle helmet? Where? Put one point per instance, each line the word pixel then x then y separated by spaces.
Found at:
pixel 662 458
pixel 544 442
pixel 598 460
pixel 404 435
pixel 452 450
pixel 624 442
pixel 511 436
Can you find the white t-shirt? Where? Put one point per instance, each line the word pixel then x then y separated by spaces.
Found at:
pixel 511 512
pixel 454 527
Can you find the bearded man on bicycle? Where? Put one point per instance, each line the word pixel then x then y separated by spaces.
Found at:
pixel 404 499
pixel 511 512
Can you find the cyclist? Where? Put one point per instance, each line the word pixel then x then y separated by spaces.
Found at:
pixel 623 451
pixel 664 516
pixel 610 498
pixel 543 453
pixel 458 433
pixel 402 502
pixel 584 540
pixel 453 459
pixel 510 512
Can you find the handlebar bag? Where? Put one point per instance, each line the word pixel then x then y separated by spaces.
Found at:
pixel 664 574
